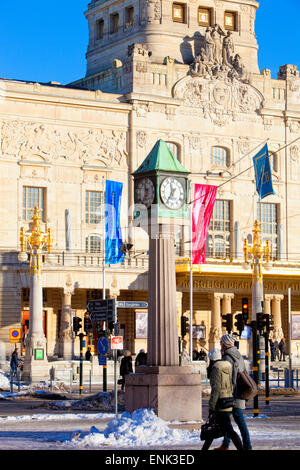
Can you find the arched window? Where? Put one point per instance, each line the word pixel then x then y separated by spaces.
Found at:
pixel 175 149
pixel 93 244
pixel 220 156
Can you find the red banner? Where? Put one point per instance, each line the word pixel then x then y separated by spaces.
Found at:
pixel 204 200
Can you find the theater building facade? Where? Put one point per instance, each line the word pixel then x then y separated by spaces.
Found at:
pixel 184 72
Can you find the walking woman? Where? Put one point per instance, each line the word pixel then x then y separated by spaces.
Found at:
pixel 221 398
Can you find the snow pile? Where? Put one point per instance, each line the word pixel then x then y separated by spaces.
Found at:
pixel 4 381
pixel 142 428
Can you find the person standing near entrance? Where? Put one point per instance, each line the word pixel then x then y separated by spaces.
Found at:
pixel 231 354
pixel 125 367
pixel 282 349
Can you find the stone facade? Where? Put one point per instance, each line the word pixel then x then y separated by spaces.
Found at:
pixel 153 79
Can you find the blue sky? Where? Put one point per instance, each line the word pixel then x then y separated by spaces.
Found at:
pixel 47 40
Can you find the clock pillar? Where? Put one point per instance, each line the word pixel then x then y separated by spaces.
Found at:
pixel 173 391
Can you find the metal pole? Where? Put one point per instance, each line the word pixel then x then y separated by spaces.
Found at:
pixel 290 337
pixel 191 275
pixel 267 388
pixel 255 369
pixel 115 359
pixel 104 375
pixel 80 364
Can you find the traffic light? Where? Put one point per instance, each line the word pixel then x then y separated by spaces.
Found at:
pixel 260 321
pixel 88 326
pixel 269 322
pixel 240 322
pixel 227 323
pixel 245 308
pixel 185 326
pixel 77 324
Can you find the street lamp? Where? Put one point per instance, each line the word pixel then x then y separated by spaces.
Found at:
pixel 35 364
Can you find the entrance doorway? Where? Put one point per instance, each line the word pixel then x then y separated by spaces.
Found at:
pixel 25 326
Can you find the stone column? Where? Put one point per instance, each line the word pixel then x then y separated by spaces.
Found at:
pixel 163 385
pixel 215 332
pixel 66 332
pixel 162 314
pixel 267 304
pixel 276 312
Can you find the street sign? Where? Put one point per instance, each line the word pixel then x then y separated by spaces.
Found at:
pixel 102 345
pixel 117 342
pixel 102 360
pixel 101 310
pixel 15 335
pixel 131 304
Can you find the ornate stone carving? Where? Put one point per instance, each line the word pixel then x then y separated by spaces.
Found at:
pixel 216 58
pixel 219 100
pixel 24 139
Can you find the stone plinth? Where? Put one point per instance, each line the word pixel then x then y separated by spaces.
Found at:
pixel 174 393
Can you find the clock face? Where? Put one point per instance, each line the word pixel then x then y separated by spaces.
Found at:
pixel 172 192
pixel 145 192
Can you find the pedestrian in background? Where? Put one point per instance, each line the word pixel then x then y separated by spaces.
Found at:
pixel 125 367
pixel 272 349
pixel 88 354
pixel 276 349
pixel 219 373
pixel 141 358
pixel 14 362
pixel 231 354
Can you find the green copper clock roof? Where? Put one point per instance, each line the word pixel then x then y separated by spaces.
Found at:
pixel 160 158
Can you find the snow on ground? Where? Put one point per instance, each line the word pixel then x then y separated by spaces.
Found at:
pixel 142 428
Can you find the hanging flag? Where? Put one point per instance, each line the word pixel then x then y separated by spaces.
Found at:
pixel 204 200
pixel 263 174
pixel 113 235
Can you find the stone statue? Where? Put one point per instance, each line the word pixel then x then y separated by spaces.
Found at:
pixel 228 48
pixel 209 45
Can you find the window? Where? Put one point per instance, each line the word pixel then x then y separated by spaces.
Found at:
pixel 93 201
pixel 129 17
pixel 33 197
pixel 174 148
pixel 93 244
pixel 219 230
pixel 114 22
pixel 204 16
pixel 99 29
pixel 267 215
pixel 179 12
pixel 273 161
pixel 220 156
pixel 230 20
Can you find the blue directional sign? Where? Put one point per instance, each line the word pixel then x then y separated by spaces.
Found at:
pixel 102 360
pixel 102 345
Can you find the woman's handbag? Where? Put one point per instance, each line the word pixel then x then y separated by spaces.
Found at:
pixel 211 429
pixel 226 402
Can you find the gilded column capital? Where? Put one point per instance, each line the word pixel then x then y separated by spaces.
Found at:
pixel 216 295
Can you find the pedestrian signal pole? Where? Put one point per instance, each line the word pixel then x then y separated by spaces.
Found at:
pixel 267 387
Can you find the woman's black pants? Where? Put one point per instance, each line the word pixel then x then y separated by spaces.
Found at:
pixel 223 418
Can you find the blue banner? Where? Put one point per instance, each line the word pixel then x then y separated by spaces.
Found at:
pixel 263 174
pixel 113 236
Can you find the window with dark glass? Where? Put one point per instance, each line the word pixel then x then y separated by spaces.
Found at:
pixel 219 156
pixel 219 230
pixel 267 215
pixel 99 29
pixel 179 12
pixel 129 17
pixel 33 197
pixel 93 244
pixel 93 201
pixel 114 22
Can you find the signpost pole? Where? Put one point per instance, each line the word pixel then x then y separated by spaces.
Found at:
pixel 81 335
pixel 115 358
